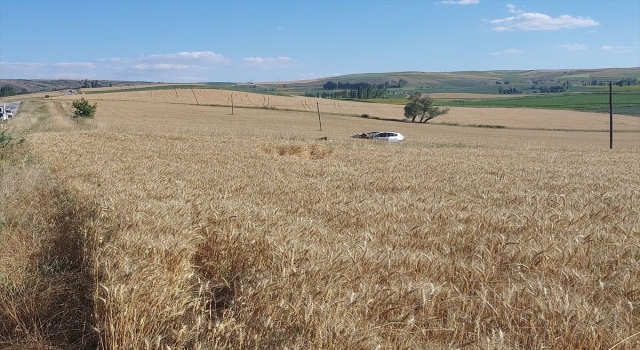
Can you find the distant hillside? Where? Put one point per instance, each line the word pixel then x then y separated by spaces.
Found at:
pixel 477 82
pixel 24 86
pixel 398 83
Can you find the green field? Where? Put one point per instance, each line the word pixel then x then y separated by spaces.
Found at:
pixel 627 102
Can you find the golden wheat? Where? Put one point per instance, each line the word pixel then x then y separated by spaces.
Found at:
pixel 506 117
pixel 246 231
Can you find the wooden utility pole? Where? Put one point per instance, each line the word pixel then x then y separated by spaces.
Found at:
pixel 610 117
pixel 194 96
pixel 232 103
pixel 319 120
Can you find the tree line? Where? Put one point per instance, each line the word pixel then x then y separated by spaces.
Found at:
pixel 91 84
pixel 363 93
pixel 330 85
pixel 11 91
pixel 360 90
pixel 566 86
pixel 627 82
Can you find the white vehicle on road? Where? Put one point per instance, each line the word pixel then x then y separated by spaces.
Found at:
pixel 8 110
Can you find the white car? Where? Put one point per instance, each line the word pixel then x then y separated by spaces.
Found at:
pixel 388 136
pixel 9 113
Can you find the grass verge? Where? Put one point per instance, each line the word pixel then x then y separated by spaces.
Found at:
pixel 46 283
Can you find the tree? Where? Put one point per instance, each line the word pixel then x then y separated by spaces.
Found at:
pixel 84 109
pixel 7 91
pixel 422 106
pixel 330 85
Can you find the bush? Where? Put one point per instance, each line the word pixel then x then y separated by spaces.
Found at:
pixel 8 140
pixel 84 109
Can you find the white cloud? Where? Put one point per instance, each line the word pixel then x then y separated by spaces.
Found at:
pixel 512 52
pixel 67 76
pixel 119 59
pixel 75 65
pixel 186 62
pixel 513 9
pixel 188 79
pixel 507 52
pixel 197 55
pixel 21 65
pixel 460 2
pixel 279 28
pixel 573 47
pixel 169 67
pixel 254 59
pixel 539 21
pixel 161 66
pixel 618 48
pixel 268 62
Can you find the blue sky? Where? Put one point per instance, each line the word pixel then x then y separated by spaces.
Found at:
pixel 283 40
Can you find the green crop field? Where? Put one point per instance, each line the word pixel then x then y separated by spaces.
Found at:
pixel 627 102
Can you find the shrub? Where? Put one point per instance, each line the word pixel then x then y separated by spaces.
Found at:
pixel 8 140
pixel 84 109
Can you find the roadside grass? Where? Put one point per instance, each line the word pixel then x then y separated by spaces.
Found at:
pixel 46 281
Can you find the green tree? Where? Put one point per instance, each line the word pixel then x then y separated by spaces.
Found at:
pixel 330 85
pixel 7 91
pixel 84 109
pixel 422 106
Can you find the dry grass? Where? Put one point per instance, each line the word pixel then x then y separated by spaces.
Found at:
pixel 246 231
pixel 46 285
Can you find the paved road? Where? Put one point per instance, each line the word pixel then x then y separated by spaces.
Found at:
pixel 13 106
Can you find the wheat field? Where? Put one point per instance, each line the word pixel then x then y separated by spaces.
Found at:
pixel 209 230
pixel 506 117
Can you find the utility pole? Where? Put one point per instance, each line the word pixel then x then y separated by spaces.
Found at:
pixel 610 117
pixel 194 96
pixel 320 121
